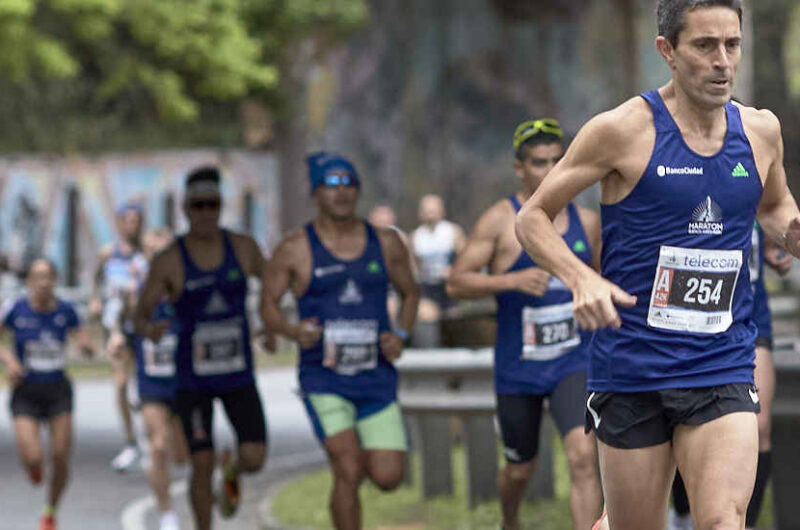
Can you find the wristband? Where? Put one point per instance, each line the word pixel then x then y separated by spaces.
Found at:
pixel 403 334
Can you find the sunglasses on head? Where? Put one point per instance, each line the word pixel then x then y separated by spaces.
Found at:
pixel 529 129
pixel 334 180
pixel 204 204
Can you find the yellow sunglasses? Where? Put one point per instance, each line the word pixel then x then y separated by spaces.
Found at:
pixel 531 128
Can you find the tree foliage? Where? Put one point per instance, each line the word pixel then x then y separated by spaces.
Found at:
pixel 95 66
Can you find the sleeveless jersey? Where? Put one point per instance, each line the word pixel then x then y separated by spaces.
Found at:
pixel 680 242
pixel 121 273
pixel 538 340
pixel 155 362
pixel 214 352
pixel 434 250
pixel 40 338
pixel 761 313
pixel 349 300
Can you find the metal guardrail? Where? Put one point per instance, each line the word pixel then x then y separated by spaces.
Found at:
pixel 438 384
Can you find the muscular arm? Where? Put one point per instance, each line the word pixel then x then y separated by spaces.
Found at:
pixel 155 287
pixel 398 267
pixel 778 214
pixel 466 280
pixel 592 157
pixel 276 279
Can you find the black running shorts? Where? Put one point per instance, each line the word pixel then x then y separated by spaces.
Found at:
pixel 242 406
pixel 643 419
pixel 520 416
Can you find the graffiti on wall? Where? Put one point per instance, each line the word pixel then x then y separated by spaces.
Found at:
pixel 34 195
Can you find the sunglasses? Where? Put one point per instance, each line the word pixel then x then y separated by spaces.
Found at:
pixel 334 180
pixel 529 129
pixel 204 204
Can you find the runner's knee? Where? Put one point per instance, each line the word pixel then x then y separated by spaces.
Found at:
pixel 251 457
pixel 387 477
pixel 348 470
pixel 729 516
pixel 582 461
pixel 519 473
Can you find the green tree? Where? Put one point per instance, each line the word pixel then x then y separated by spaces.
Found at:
pixel 78 74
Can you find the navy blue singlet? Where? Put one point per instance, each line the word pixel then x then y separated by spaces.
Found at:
pixel 40 338
pixel 680 243
pixel 214 352
pixel 349 300
pixel 155 363
pixel 538 342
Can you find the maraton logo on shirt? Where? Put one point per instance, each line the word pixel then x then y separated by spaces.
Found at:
pixel 233 275
pixel 579 246
pixel 706 218
pixel 662 171
pixel 319 272
pixel 373 267
pixel 350 294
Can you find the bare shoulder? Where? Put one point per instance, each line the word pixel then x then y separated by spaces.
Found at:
pixel 243 241
pixel 293 248
pixel 623 123
pixel 762 124
pixel 166 260
pixel 105 252
pixel 495 220
pixel 390 238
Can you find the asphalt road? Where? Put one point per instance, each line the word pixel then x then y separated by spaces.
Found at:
pixel 100 499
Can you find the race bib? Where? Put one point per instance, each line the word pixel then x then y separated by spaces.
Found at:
pixel 218 348
pixel 548 332
pixel 159 359
pixel 351 346
pixel 44 355
pixel 693 289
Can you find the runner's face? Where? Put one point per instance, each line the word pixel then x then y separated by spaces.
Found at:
pixel 203 210
pixel 41 280
pixel 708 52
pixel 338 203
pixel 538 162
pixel 130 223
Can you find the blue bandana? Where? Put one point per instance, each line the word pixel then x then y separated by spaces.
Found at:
pixel 321 164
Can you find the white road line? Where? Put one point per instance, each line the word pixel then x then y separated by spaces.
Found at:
pixel 134 513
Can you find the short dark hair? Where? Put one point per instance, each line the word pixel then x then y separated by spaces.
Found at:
pixel 670 14
pixel 542 138
pixel 203 173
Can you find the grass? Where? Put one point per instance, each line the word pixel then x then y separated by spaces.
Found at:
pixel 304 504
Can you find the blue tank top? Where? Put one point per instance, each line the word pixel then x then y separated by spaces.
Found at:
pixel 538 342
pixel 155 363
pixel 680 242
pixel 214 352
pixel 40 338
pixel 349 300
pixel 761 313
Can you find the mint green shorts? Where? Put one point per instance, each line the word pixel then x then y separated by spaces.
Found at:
pixel 378 424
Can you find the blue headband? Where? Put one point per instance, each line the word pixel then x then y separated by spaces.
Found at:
pixel 130 207
pixel 322 163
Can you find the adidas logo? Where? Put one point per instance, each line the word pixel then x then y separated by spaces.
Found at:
pixel 739 171
pixel 216 304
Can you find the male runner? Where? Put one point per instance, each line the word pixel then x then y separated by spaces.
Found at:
pixel 42 393
pixel 156 378
pixel 119 272
pixel 204 276
pixel 683 172
pixel 763 252
pixel 539 352
pixel 339 268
